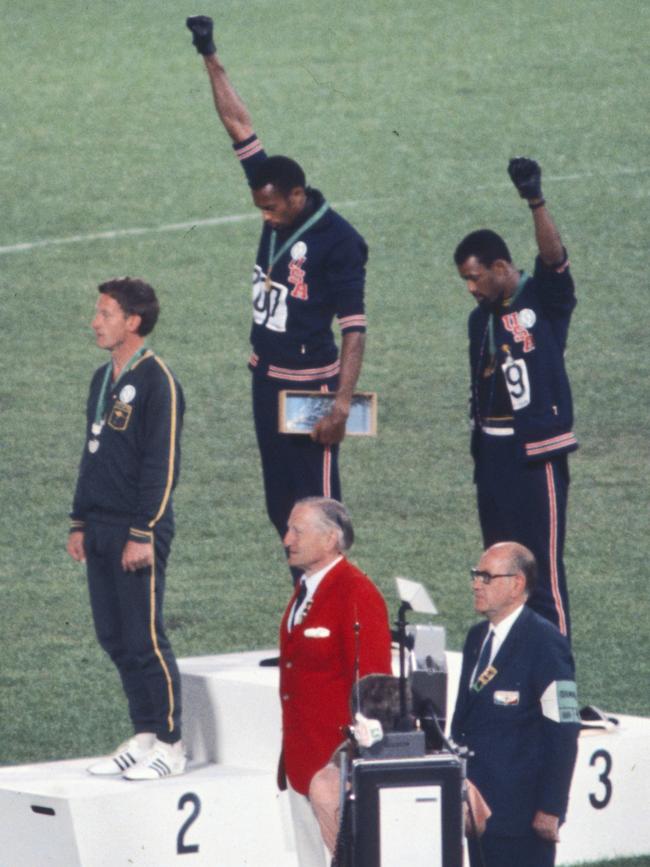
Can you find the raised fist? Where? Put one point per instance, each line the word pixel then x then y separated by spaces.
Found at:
pixel 201 27
pixel 526 175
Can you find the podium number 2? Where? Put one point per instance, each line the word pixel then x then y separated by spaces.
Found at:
pixel 183 848
pixel 601 803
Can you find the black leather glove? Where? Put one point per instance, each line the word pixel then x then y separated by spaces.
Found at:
pixel 526 175
pixel 201 27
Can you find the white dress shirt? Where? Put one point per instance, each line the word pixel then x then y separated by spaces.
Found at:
pixel 500 631
pixel 311 582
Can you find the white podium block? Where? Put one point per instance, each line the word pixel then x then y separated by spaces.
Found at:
pixel 57 815
pixel 231 709
pixel 610 793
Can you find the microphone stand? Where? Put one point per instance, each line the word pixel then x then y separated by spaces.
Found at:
pixel 403 641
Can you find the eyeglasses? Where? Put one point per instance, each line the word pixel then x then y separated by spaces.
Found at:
pixel 487 577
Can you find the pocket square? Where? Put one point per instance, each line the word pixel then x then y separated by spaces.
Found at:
pixel 317 632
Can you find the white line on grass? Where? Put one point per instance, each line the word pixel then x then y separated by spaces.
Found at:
pixel 239 218
pixel 152 230
pixel 125 233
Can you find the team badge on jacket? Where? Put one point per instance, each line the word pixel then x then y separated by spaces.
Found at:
pixel 120 415
pixel 296 271
pixel 518 324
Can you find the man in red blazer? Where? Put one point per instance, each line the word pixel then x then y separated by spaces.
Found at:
pixel 334 630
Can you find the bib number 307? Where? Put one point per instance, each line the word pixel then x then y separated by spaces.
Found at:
pixel 517 383
pixel 269 303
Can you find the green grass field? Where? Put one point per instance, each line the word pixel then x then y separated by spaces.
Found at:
pixel 405 116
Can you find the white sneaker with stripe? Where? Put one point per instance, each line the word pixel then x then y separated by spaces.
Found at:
pixel 162 760
pixel 125 756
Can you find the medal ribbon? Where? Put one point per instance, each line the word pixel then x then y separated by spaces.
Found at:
pixel 100 409
pixel 273 256
pixel 491 342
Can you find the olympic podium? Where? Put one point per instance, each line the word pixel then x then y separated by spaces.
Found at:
pixel 226 811
pixel 57 815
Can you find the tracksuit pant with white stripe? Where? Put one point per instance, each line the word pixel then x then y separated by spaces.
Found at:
pixel 127 611
pixel 527 503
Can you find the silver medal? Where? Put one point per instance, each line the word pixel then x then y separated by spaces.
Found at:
pixel 93 445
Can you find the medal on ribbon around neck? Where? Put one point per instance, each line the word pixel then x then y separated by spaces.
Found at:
pixel 274 257
pixel 489 368
pixel 100 410
pixel 95 429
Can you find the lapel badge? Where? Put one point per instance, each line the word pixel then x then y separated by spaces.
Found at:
pixel 484 678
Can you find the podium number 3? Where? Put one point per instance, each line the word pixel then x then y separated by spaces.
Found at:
pixel 183 848
pixel 604 756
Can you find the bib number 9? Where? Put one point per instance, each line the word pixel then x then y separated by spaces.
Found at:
pixel 517 383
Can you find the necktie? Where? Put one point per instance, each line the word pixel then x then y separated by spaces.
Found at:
pixel 300 598
pixel 484 656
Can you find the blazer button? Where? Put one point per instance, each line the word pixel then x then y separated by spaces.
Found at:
pixel 285 697
pixel 289 665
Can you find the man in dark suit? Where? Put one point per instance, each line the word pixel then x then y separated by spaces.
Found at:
pixel 517 712
pixel 335 629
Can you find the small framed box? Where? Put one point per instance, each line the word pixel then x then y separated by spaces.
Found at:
pixel 300 410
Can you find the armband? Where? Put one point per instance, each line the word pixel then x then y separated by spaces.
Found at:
pixel 560 702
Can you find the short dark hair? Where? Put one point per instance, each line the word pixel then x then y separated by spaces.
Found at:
pixel 284 173
pixel 485 244
pixel 333 516
pixel 377 696
pixel 136 298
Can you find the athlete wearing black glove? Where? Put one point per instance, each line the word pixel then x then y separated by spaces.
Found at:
pixel 201 27
pixel 526 175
